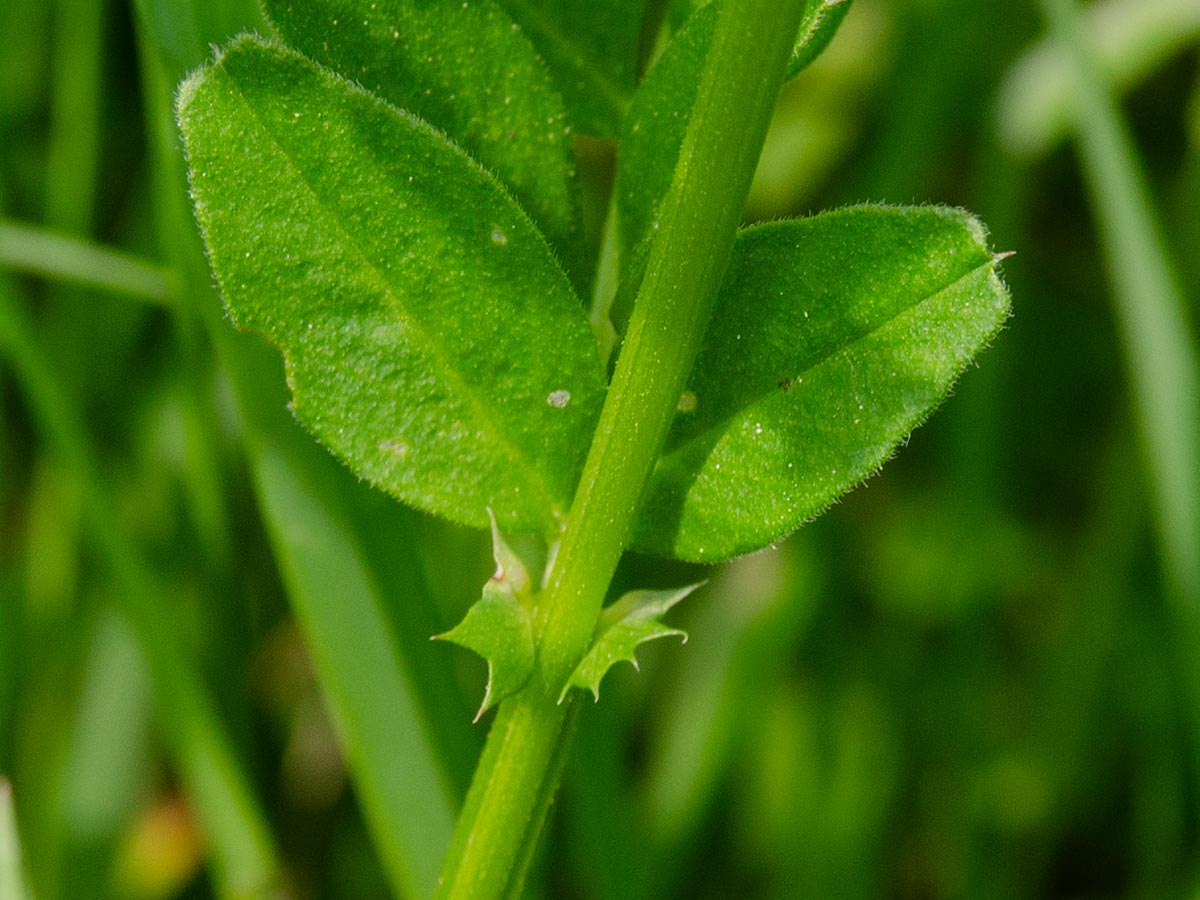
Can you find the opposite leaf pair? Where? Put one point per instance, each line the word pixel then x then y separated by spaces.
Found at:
pixel 436 345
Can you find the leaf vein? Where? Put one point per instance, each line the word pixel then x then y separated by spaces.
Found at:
pixel 720 424
pixel 447 371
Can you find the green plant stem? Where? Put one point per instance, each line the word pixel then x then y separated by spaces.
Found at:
pixel 520 766
pixel 699 218
pixel 40 251
pixel 245 857
pixel 1159 348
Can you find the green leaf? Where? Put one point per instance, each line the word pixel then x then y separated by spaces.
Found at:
pixel 653 131
pixel 820 24
pixel 592 50
pixel 431 340
pixel 510 568
pixel 352 575
pixel 499 627
pixel 626 624
pixel 832 339
pixel 465 69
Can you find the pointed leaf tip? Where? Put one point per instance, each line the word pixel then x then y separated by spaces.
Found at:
pixel 624 626
pixel 832 338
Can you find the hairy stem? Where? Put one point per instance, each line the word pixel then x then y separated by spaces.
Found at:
pixel 519 770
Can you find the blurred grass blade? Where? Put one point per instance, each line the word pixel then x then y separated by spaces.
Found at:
pixel 407 800
pixel 110 765
pixel 12 880
pixel 757 611
pixel 1160 349
pixel 41 251
pixel 244 856
pixel 73 151
pixel 1127 38
pixel 408 745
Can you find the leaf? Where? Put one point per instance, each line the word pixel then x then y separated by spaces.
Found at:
pixel 465 69
pixel 431 341
pixel 499 627
pixel 654 128
pixel 592 49
pixel 388 692
pixel 509 566
pixel 820 24
pixel 626 624
pixel 833 338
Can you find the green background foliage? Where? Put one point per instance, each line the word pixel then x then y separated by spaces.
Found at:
pixel 974 677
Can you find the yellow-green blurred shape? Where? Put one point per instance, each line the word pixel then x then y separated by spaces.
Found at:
pixel 52 560
pixel 1129 39
pixel 12 882
pixel 108 761
pixel 1014 792
pixel 160 853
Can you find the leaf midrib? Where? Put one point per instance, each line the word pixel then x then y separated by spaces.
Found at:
pixel 449 373
pixel 819 360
